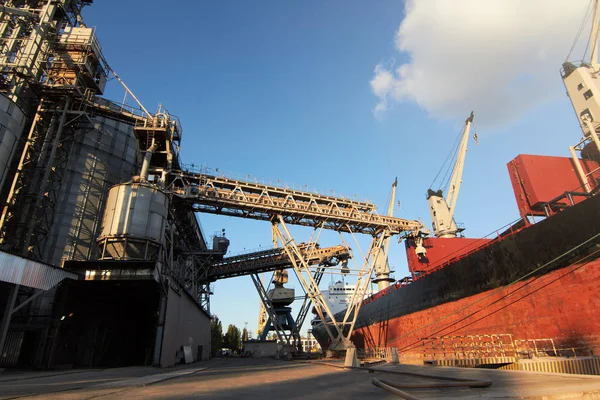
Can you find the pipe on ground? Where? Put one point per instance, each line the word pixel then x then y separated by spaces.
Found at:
pixel 394 388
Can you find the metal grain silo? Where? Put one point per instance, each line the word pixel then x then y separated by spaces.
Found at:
pixel 12 121
pixel 134 222
pixel 100 158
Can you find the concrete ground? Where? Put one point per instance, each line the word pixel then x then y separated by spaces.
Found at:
pixel 238 378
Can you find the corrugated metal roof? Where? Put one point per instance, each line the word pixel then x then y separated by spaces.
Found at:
pixel 21 271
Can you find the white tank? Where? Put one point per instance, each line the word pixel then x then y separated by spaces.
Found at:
pixel 12 121
pixel 136 211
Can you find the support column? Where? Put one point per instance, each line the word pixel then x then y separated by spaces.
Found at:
pixel 593 133
pixel 160 327
pixel 6 317
pixel 580 172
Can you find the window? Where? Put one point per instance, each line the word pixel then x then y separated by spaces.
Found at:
pixel 580 86
pixel 588 94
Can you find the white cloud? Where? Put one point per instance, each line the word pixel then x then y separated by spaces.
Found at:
pixel 497 57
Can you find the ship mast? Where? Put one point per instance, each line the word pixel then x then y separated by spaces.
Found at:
pixel 581 82
pixel 440 209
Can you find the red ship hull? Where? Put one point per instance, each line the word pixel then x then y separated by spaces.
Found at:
pixel 561 305
pixel 532 286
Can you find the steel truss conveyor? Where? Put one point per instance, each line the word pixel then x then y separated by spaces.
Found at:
pixel 225 196
pixel 274 259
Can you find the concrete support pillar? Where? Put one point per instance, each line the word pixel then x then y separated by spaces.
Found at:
pixel 394 358
pixel 351 359
pixel 160 327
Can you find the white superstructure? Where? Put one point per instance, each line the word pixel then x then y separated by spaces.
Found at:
pixel 338 295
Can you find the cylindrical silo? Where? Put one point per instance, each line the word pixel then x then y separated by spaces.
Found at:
pixel 99 158
pixel 134 222
pixel 12 122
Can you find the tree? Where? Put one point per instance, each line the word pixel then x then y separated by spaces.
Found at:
pixel 216 335
pixel 232 338
pixel 244 335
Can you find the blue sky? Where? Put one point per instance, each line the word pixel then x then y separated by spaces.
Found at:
pixel 280 91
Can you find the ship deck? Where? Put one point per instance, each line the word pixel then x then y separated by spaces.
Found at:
pixel 234 378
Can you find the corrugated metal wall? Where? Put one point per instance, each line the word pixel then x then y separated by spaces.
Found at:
pixel 20 271
pixel 186 324
pixel 12 349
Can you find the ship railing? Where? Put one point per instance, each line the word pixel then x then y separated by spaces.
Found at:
pixel 493 348
pixel 506 230
pixel 535 347
pixel 376 353
pixel 539 348
pixel 470 347
pixel 493 237
pixel 552 206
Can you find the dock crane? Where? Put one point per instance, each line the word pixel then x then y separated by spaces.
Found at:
pixel 581 81
pixel 440 209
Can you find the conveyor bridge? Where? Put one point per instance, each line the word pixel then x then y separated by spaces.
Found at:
pixel 226 196
pixel 274 259
pixel 213 194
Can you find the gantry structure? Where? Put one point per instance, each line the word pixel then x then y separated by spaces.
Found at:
pixel 214 194
pixel 277 259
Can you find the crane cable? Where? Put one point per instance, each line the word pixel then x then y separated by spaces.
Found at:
pixel 452 154
pixel 580 31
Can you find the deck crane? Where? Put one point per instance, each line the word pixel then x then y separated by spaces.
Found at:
pixel 440 209
pixel 382 266
pixel 581 81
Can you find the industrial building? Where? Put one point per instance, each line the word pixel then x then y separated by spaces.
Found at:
pixel 102 259
pixel 96 266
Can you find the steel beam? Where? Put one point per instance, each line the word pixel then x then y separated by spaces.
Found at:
pixel 273 259
pixel 264 298
pixel 220 195
pixel 339 331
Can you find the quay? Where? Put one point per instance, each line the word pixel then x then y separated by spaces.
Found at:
pixel 247 378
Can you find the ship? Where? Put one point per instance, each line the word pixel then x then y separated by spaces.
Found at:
pixel 531 288
pixel 337 296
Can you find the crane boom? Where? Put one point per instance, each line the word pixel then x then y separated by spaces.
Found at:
pixel 581 81
pixel 456 180
pixel 382 267
pixel 440 209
